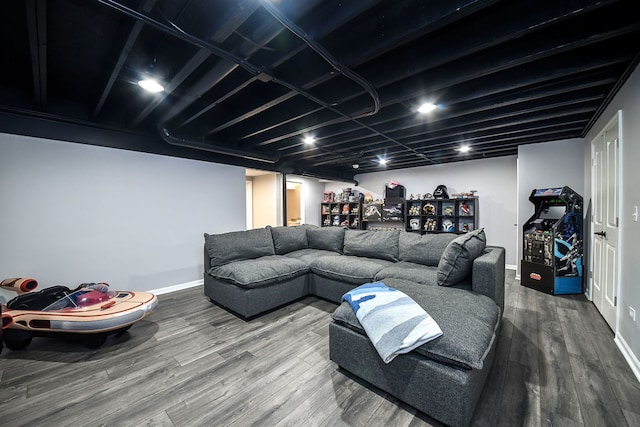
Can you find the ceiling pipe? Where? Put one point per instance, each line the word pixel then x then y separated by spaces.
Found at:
pixel 181 142
pixel 247 66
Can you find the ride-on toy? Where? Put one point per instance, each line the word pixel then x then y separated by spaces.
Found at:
pixel 91 311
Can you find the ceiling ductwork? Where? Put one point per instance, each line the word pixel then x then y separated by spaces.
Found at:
pixel 255 80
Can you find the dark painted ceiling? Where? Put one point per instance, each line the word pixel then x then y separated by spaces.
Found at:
pixel 245 81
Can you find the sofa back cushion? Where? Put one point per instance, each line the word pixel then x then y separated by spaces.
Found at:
pixel 238 245
pixel 372 244
pixel 326 238
pixel 424 249
pixel 457 260
pixel 288 239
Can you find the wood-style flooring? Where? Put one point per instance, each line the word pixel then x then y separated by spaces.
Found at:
pixel 191 363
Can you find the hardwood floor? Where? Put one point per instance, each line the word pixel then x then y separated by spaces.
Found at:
pixel 194 364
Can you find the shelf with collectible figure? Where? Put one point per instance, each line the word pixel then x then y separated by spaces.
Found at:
pixel 342 209
pixel 429 214
pixel 552 242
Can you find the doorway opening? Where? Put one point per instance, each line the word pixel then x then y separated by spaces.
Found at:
pixel 293 209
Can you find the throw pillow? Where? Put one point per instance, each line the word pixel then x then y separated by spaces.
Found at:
pixel 458 256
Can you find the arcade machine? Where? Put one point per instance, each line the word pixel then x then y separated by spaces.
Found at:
pixel 552 256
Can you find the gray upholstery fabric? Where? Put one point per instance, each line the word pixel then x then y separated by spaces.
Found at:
pixel 424 249
pixel 253 273
pixel 238 245
pixel 447 393
pixel 250 302
pixel 377 244
pixel 307 255
pixel 410 271
pixel 469 322
pixel 487 275
pixel 350 269
pixel 326 238
pixel 288 239
pixel 457 259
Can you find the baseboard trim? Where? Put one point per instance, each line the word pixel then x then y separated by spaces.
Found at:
pixel 179 287
pixel 631 358
pixel 510 267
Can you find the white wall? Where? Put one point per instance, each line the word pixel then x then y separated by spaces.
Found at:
pixel 627 100
pixel 494 179
pixel 267 208
pixel 74 213
pixel 548 165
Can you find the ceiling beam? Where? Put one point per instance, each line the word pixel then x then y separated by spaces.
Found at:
pixel 122 58
pixel 37 29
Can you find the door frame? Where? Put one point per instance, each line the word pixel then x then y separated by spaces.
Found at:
pixel 615 120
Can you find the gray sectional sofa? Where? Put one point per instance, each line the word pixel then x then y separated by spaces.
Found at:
pixel 458 280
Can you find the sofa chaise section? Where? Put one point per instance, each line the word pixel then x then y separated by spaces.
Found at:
pixel 443 378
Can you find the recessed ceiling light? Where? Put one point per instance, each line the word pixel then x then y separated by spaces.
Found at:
pixel 464 149
pixel 427 107
pixel 382 161
pixel 309 140
pixel 355 166
pixel 151 85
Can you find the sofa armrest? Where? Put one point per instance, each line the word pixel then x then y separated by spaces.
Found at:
pixel 207 261
pixel 487 276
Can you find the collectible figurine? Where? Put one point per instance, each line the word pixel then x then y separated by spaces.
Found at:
pixel 345 209
pixel 430 224
pixel 464 209
pixel 368 198
pixel 429 209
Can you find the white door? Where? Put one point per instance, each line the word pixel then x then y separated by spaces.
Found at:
pixel 604 224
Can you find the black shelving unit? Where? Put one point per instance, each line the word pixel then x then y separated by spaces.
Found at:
pixel 458 215
pixel 343 214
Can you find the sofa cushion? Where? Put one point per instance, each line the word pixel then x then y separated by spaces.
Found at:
pixel 469 322
pixel 457 260
pixel 410 271
pixel 308 255
pixel 372 244
pixel 348 269
pixel 288 239
pixel 238 245
pixel 424 249
pixel 326 238
pixel 252 273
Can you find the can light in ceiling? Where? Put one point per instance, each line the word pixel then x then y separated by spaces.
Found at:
pixel 382 162
pixel 427 107
pixel 464 149
pixel 309 140
pixel 151 85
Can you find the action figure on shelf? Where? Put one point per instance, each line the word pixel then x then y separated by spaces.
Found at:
pixel 430 224
pixel 464 209
pixel 429 209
